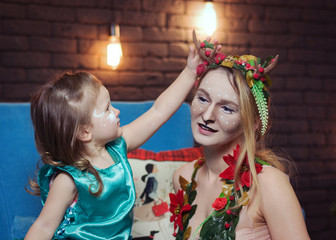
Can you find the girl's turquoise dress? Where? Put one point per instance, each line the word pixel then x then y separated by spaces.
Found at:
pixel 108 216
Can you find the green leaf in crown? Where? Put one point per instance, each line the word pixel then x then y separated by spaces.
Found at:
pixel 262 105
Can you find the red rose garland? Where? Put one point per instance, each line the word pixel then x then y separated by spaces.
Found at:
pixel 222 222
pixel 219 203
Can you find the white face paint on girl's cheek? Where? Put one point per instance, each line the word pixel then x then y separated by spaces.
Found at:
pixel 112 117
pixel 100 117
pixel 96 115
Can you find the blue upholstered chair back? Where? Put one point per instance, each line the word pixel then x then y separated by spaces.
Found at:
pixel 19 209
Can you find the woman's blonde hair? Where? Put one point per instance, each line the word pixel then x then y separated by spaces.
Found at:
pixel 59 110
pixel 253 142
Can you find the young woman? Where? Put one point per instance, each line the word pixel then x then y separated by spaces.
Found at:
pixel 240 189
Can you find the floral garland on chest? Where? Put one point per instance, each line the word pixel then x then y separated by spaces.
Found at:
pixel 222 222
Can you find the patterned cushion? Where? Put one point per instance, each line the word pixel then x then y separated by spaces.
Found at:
pixel 146 224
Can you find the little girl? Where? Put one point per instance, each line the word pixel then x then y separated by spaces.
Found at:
pixel 86 181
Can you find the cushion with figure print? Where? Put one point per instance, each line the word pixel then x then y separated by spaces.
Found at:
pixel 152 174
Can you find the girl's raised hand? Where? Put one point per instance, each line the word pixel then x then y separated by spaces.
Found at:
pixel 193 59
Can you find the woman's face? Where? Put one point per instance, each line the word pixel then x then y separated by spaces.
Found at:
pixel 215 112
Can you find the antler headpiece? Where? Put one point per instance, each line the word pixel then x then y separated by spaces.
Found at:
pixel 253 69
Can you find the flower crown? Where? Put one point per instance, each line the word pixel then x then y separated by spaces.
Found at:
pixel 253 69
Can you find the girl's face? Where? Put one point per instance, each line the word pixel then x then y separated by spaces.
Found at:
pixel 105 120
pixel 215 112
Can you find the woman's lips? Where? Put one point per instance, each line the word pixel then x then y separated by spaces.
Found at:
pixel 205 130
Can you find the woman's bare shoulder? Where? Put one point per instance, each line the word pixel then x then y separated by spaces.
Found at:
pixel 277 194
pixel 274 185
pixel 271 175
pixel 185 171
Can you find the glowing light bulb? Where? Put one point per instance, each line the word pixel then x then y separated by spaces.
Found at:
pixel 114 51
pixel 209 22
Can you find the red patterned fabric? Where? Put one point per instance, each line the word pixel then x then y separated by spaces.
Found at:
pixel 185 154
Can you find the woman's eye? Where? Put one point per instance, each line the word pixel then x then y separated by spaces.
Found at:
pixel 227 109
pixel 202 99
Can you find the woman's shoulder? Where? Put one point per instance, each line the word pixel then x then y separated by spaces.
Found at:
pixel 184 171
pixel 273 180
pixel 270 173
pixel 277 194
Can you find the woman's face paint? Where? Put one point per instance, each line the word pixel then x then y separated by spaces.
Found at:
pixel 215 115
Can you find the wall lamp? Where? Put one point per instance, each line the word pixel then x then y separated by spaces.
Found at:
pixel 209 21
pixel 114 52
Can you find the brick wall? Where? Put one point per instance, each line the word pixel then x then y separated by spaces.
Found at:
pixel 40 39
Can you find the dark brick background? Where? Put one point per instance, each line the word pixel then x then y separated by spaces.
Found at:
pixel 40 39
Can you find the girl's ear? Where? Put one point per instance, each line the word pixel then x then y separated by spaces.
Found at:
pixel 84 134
